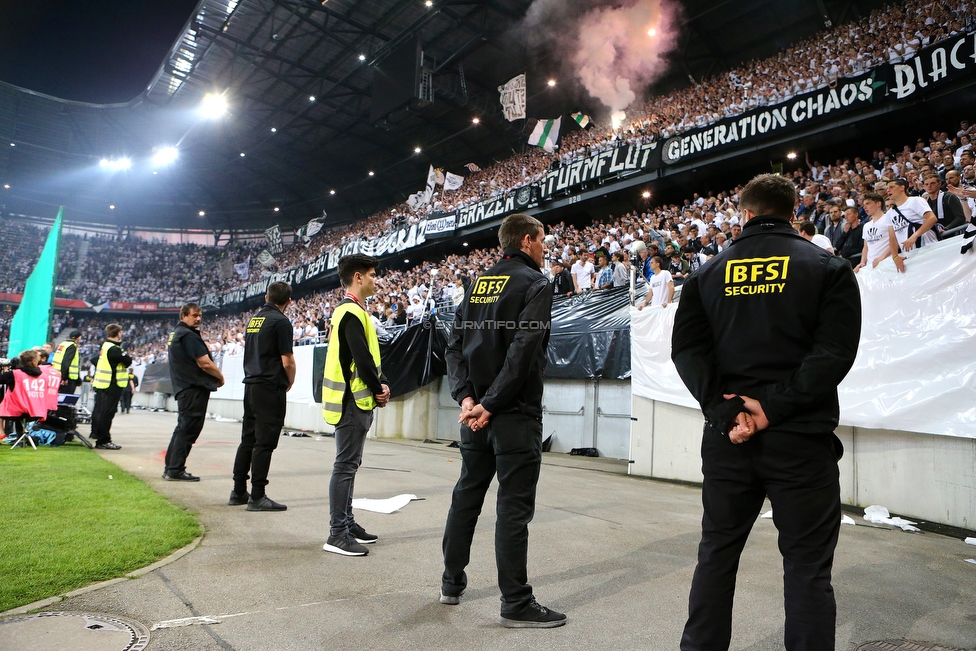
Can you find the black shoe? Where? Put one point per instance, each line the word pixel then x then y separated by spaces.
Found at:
pixel 264 503
pixel 345 545
pixel 180 476
pixel 238 499
pixel 107 446
pixel 451 599
pixel 360 534
pixel 533 615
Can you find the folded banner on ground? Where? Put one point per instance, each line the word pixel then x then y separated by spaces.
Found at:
pixel 512 98
pixel 545 134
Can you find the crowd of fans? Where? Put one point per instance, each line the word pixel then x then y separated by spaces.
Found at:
pixel 130 269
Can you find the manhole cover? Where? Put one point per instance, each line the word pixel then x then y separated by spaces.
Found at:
pixel 76 631
pixel 905 645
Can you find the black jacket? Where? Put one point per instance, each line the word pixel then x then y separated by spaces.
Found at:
pixel 496 353
pixel 562 283
pixel 775 318
pixel 953 214
pixel 185 347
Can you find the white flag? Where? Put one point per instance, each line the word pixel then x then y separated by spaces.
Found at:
pixel 512 97
pixel 265 258
pixel 546 133
pixel 453 181
pixel 243 269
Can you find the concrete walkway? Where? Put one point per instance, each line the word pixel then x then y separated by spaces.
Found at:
pixel 615 553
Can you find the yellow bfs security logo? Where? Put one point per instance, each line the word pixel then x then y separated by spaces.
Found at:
pixel 756 276
pixel 488 289
pixel 254 325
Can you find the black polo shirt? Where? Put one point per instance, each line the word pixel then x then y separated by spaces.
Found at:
pixel 185 348
pixel 267 337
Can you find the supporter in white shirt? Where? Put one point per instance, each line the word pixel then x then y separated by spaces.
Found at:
pixel 660 287
pixel 809 232
pixel 876 232
pixel 582 272
pixel 905 214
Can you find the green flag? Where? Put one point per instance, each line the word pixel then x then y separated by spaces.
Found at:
pixel 32 321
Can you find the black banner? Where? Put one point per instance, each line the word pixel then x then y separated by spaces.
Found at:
pixel 514 201
pixel 619 161
pixel 440 224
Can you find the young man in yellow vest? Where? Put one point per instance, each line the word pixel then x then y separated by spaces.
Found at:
pixel 68 362
pixel 352 387
pixel 110 378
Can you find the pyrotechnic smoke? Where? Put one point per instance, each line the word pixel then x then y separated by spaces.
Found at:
pixel 615 51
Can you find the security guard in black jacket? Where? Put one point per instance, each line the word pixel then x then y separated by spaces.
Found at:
pixel 194 375
pixel 495 360
pixel 763 334
pixel 269 373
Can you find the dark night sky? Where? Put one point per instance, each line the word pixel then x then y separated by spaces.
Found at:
pixel 100 51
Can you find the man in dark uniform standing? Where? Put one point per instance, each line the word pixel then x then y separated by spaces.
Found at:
pixel 194 375
pixel 269 372
pixel 496 356
pixel 110 378
pixel 68 362
pixel 763 334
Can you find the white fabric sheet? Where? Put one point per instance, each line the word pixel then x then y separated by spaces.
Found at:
pixel 916 365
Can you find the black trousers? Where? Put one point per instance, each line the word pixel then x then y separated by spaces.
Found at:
pixel 106 403
pixel 264 416
pixel 125 402
pixel 350 439
pixel 193 412
pixel 70 386
pixel 511 446
pixel 798 472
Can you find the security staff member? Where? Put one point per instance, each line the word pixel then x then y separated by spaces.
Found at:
pixel 352 387
pixel 194 375
pixel 269 372
pixel 496 355
pixel 68 363
pixel 110 378
pixel 763 334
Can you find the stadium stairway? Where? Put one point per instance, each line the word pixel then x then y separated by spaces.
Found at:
pixel 79 263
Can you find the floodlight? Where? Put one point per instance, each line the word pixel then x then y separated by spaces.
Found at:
pixel 362 57
pixel 416 150
pixel 111 206
pixel 214 106
pixel 165 156
pixel 371 172
pixel 202 213
pixel 331 191
pixel 476 120
pixel 552 82
pixel 646 194
pixel 277 209
pixel 274 130
pixel 791 155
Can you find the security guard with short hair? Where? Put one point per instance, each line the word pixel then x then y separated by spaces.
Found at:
pixel 110 378
pixel 763 334
pixel 352 387
pixel 68 362
pixel 269 372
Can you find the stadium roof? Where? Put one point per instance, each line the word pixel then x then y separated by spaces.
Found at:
pixel 299 76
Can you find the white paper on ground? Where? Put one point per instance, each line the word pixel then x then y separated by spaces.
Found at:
pixel 388 505
pixel 879 515
pixel 186 621
pixel 846 519
pixel 970 541
pixel 768 515
pixel 971 560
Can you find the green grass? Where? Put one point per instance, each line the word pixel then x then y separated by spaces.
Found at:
pixel 64 524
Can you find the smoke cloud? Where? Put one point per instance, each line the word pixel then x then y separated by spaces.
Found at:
pixel 614 51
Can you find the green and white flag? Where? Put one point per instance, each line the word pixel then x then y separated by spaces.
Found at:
pixel 545 134
pixel 582 120
pixel 32 321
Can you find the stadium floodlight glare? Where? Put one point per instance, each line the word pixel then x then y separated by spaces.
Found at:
pixel 646 194
pixel 416 150
pixel 276 209
pixel 115 164
pixel 111 206
pixel 311 98
pixel 552 82
pixel 405 261
pixel 6 186
pixel 242 154
pixel 274 130
pixel 791 155
pixel 331 191
pixel 652 32
pixel 429 3
pixel 165 156
pixel 214 106
pixel 202 213
pixel 13 144
pixel 362 57
pixel 476 120
pixel 371 172
pixel 464 244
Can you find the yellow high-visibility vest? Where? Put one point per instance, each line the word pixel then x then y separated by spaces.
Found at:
pixel 333 382
pixel 59 357
pixel 103 370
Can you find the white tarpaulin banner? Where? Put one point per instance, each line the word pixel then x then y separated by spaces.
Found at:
pixel 512 98
pixel 916 364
